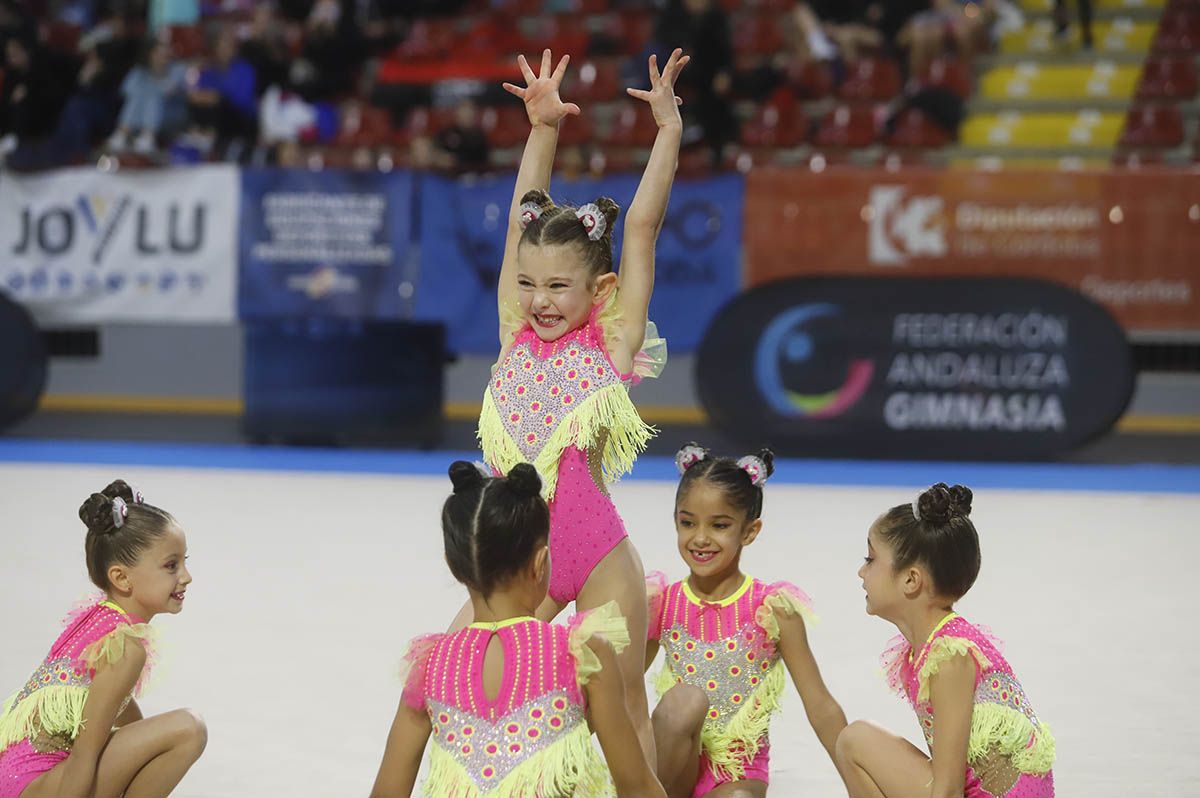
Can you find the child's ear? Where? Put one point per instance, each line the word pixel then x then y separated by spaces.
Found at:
pixel 118 577
pixel 751 531
pixel 541 565
pixel 914 582
pixel 604 287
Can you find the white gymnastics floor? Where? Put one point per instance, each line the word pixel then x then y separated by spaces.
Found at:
pixel 308 584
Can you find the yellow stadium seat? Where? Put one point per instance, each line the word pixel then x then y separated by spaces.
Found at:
pixel 1011 130
pixel 1030 81
pixel 1120 35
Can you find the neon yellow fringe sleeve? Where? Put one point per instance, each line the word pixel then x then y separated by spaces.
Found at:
pixel 786 602
pixel 941 650
pixel 1031 749
pixel 570 767
pixel 606 621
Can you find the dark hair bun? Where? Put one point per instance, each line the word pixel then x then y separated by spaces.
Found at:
pixel 768 458
pixel 96 514
pixel 465 476
pixel 611 210
pixel 119 487
pixel 941 503
pixel 538 197
pixel 524 480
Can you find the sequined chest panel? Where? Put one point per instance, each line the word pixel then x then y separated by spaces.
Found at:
pixel 729 670
pixel 996 687
pixel 489 750
pixel 539 385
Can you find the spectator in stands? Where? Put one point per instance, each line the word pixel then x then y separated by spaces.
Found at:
pixel 844 28
pixel 223 102
pixel 266 47
pixel 155 100
pixel 702 27
pixel 333 51
pixel 1062 20
pixel 463 143
pixel 34 89
pixel 968 26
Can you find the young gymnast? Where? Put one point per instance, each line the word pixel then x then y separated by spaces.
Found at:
pixel 983 735
pixel 574 335
pixel 75 728
pixel 728 638
pixel 508 699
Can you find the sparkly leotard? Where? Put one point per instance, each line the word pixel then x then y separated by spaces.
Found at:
pixel 531 739
pixel 564 407
pixel 728 649
pixel 1010 751
pixel 40 722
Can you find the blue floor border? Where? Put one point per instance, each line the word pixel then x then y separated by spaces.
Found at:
pixel 1035 476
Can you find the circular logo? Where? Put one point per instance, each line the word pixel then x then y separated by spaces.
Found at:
pixel 802 367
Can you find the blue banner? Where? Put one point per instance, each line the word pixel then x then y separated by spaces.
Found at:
pixel 327 243
pixel 462 227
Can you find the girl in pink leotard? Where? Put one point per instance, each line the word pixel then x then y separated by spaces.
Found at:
pixel 504 704
pixel 729 640
pixel 984 738
pixel 75 728
pixel 574 335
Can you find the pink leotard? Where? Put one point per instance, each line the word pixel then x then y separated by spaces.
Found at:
pixel 728 649
pixel 532 739
pixel 1010 751
pixel 564 407
pixel 40 722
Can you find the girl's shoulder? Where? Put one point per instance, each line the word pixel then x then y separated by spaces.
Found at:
pixel 773 600
pixel 603 624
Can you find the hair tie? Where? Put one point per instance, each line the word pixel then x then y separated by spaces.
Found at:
pixel 916 506
pixel 483 470
pixel 755 468
pixel 688 456
pixel 120 511
pixel 528 213
pixel 138 498
pixel 593 220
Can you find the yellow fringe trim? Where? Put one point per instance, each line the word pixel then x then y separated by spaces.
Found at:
pixel 606 621
pixel 607 416
pixel 53 710
pixel 730 747
pixel 57 709
pixel 941 650
pixel 1009 731
pixel 781 601
pixel 569 767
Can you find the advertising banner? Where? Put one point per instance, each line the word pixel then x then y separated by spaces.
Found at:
pixel 332 243
pixel 85 246
pixel 914 368
pixel 463 225
pixel 1128 240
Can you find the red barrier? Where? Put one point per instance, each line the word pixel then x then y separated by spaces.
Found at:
pixel 1131 241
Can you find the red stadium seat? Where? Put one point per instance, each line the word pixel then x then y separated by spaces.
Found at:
pixel 847 127
pixel 776 126
pixel 915 130
pixel 562 34
pixel 365 126
pixel 627 32
pixel 594 81
pixel 505 126
pixel 950 74
pixel 63 36
pixel 1178 33
pixel 186 41
pixel 428 38
pixel 574 130
pixel 426 122
pixel 1153 126
pixel 870 80
pixel 811 80
pixel 758 34
pixel 634 126
pixel 1168 79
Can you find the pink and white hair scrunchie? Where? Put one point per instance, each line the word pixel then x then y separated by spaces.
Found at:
pixel 688 456
pixel 120 511
pixel 755 468
pixel 528 213
pixel 593 220
pixel 916 506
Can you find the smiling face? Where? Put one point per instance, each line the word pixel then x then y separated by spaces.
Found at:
pixel 157 582
pixel 556 290
pixel 710 532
